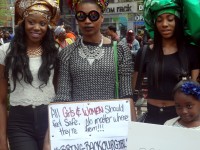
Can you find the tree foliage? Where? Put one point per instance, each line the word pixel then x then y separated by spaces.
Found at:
pixel 5 12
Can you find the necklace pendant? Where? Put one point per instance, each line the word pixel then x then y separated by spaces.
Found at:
pixel 91 54
pixel 90 61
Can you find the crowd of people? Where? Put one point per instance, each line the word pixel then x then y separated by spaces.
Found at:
pixel 44 62
pixel 5 36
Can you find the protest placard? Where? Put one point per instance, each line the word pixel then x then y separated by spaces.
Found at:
pixel 89 125
pixel 143 136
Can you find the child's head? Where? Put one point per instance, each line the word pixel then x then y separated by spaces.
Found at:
pixel 187 101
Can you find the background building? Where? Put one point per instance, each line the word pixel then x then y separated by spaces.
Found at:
pixel 124 14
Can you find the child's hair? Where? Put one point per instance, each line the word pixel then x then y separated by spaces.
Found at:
pixel 188 87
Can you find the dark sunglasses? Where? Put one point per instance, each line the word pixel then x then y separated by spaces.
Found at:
pixel 92 15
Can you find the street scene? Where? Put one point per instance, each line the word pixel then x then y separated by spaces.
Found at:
pixel 99 74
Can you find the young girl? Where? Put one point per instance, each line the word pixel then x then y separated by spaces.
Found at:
pixel 187 103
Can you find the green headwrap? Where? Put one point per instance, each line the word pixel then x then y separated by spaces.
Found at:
pixel 154 8
pixel 191 15
pixel 167 11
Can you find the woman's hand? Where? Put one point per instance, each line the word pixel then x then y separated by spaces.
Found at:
pixel 133 111
pixel 47 145
pixel 3 146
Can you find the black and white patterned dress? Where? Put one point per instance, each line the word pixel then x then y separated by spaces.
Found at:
pixel 81 79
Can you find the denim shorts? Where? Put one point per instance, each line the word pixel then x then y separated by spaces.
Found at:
pixel 27 126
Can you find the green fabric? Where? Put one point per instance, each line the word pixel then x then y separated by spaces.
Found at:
pixel 116 68
pixel 167 11
pixel 154 7
pixel 189 11
pixel 191 14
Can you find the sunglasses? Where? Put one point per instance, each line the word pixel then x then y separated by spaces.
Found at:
pixel 92 15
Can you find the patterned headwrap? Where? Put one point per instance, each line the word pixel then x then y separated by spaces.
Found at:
pixel 154 8
pixel 47 8
pixel 101 3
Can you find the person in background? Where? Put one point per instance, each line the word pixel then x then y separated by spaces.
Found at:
pixel 60 36
pixel 170 59
pixel 7 37
pixel 12 34
pixel 187 102
pixel 69 33
pixel 150 43
pixel 28 62
pixel 139 38
pixel 132 43
pixel 1 37
pixel 112 32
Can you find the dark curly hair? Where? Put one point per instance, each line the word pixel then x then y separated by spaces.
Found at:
pixel 17 60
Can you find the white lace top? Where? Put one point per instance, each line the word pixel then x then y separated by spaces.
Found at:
pixel 26 94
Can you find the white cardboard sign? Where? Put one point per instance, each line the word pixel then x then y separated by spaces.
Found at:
pixel 143 136
pixel 89 125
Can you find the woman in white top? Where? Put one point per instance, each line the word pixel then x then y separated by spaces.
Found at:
pixel 187 103
pixel 28 62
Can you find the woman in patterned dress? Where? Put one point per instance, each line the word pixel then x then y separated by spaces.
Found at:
pixel 87 68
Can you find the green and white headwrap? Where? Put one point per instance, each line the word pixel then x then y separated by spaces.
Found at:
pixel 155 8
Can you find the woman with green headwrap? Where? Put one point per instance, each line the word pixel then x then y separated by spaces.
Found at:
pixel 168 61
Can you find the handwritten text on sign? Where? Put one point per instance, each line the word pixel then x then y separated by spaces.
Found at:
pixel 89 119
pixel 114 143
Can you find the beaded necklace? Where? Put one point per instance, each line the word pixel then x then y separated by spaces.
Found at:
pixel 91 54
pixel 35 52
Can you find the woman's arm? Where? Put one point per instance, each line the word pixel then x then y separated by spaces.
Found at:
pixel 55 77
pixel 136 68
pixel 133 111
pixel 195 74
pixel 46 145
pixel 194 61
pixel 125 70
pixel 3 109
pixel 125 74
pixel 134 79
pixel 63 88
